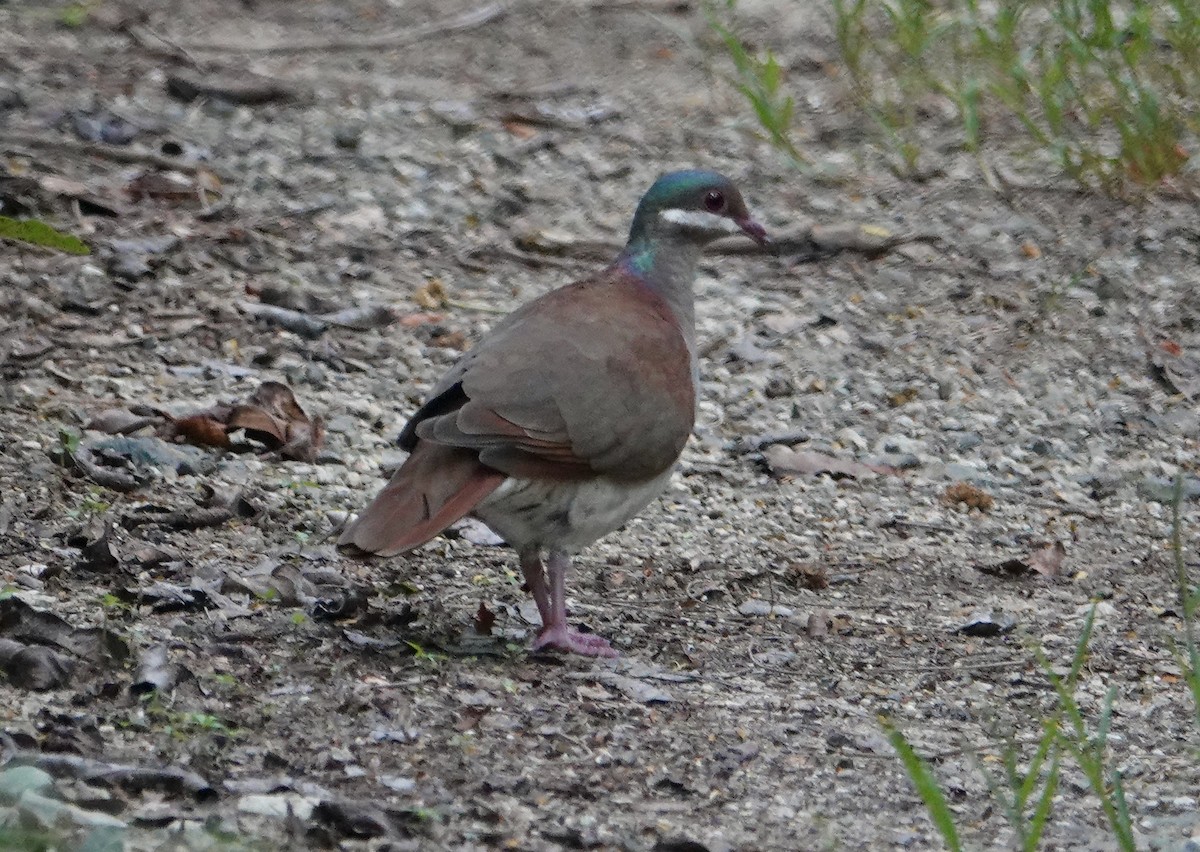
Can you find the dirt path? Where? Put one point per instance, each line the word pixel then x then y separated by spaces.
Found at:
pixel 764 623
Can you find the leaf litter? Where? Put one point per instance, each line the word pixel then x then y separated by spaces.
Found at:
pixel 558 756
pixel 271 418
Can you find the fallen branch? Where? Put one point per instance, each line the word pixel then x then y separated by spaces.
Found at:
pixel 169 779
pixel 157 44
pixel 106 152
pixel 807 244
pixel 457 23
pixel 103 476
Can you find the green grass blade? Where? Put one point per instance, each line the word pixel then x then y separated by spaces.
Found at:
pixel 1046 746
pixel 1122 810
pixel 38 233
pixel 1189 598
pixel 1013 811
pixel 1041 814
pixel 926 785
pixel 1105 717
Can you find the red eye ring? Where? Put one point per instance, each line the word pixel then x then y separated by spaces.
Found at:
pixel 714 202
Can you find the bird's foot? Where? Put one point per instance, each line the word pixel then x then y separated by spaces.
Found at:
pixel 563 638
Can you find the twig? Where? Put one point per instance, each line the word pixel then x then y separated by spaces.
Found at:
pixel 950 667
pixel 120 343
pixel 188 519
pixel 107 152
pixel 898 522
pixel 528 258
pixel 475 306
pixel 157 44
pixel 457 23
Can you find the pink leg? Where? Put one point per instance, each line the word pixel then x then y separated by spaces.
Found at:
pixel 535 581
pixel 555 632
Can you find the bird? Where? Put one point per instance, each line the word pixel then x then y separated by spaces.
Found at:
pixel 566 419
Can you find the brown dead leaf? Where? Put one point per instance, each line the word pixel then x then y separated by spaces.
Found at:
pixel 485 619
pixel 432 295
pixel 903 397
pixel 273 417
pixel 1047 560
pixel 450 340
pixel 362 317
pixel 519 128
pixel 808 576
pixel 204 429
pixel 852 236
pixel 420 318
pixel 785 461
pixel 967 495
pixel 297 322
pixel 819 622
pixel 1014 567
pixel 470 718
pixel 161 186
pixel 175 187
pixel 259 425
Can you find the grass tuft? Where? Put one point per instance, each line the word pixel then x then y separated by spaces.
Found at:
pixel 1104 91
pixel 1026 795
pixel 759 78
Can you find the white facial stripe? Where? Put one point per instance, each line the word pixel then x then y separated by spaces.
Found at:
pixel 700 220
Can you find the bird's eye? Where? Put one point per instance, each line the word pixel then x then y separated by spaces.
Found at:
pixel 714 202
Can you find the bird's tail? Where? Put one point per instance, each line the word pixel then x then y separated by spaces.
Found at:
pixel 434 487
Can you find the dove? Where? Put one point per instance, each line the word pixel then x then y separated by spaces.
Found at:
pixel 566 419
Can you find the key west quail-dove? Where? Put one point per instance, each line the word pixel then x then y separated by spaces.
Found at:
pixel 566 419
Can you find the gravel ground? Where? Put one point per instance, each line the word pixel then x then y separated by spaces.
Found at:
pixel 1039 345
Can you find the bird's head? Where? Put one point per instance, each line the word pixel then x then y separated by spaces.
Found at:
pixel 696 205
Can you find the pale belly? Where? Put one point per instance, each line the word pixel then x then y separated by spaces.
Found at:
pixel 564 516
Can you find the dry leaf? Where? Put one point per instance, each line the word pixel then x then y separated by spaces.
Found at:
pixel 422 318
pixel 161 186
pixel 519 128
pixel 808 576
pixel 240 87
pixel 297 322
pixel 1047 560
pixel 450 340
pixel 432 295
pixel 204 429
pixel 966 494
pixel 819 623
pixel 273 417
pixel 485 619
